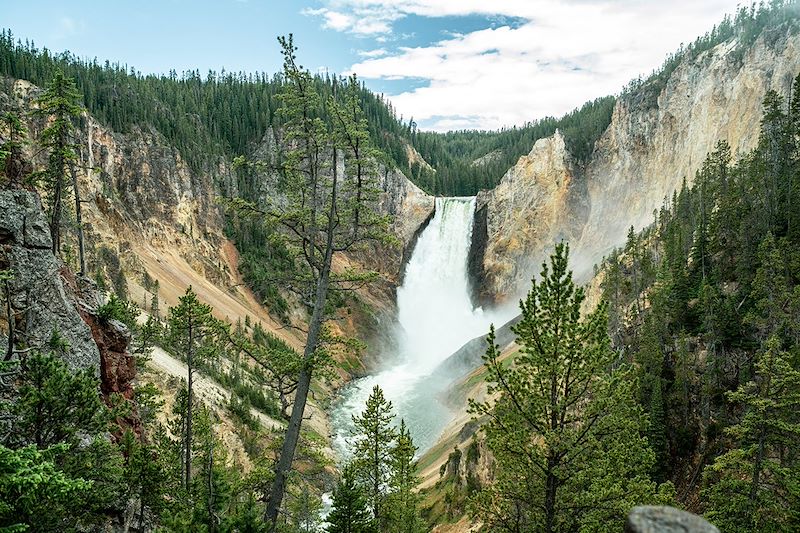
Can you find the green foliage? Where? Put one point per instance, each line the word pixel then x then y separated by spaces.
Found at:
pixel 382 476
pixel 119 309
pixel 192 331
pixel 145 474
pixel 403 502
pixel 59 412
pixel 565 429
pixel 55 404
pixel 453 154
pixel 350 513
pixel 145 338
pixel 754 485
pixel 34 492
pixel 749 22
pixel 372 449
pixel 99 462
pixel 724 282
pixel 59 103
pixel 14 140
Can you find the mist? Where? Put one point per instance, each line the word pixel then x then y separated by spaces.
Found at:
pixel 436 317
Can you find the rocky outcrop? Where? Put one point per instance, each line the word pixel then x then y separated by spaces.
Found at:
pixel 539 201
pixel 410 208
pixel 415 158
pixel 656 519
pixel 485 159
pixel 41 300
pixel 46 297
pixel 117 365
pixel 649 148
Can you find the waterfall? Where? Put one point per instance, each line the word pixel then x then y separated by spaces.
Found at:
pixel 435 318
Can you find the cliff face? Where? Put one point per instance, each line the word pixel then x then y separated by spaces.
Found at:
pixel 650 146
pixel 39 299
pixel 43 297
pixel 146 211
pixel 539 200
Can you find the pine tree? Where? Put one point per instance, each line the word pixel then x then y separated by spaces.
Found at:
pixel 145 475
pixel 34 493
pixel 350 513
pixel 154 307
pixel 372 449
pixel 14 138
pixel 191 330
pixel 565 429
pixel 319 212
pixel 754 486
pixel 59 103
pixel 56 405
pixel 403 516
pixel 657 432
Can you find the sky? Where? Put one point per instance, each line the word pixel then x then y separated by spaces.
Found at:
pixel 448 64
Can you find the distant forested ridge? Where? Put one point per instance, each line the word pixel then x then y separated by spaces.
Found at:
pixel 226 114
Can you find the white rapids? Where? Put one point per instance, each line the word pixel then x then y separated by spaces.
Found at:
pixel 435 318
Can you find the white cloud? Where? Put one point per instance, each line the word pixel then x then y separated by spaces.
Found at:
pixel 564 53
pixel 378 52
pixel 366 21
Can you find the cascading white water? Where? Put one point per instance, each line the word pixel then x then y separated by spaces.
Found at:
pixel 435 318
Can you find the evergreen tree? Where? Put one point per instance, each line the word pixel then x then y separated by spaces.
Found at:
pixel 59 103
pixel 656 433
pixel 319 212
pixel 754 486
pixel 35 495
pixel 565 428
pixel 55 405
pixel 191 330
pixel 403 516
pixel 12 165
pixel 350 513
pixel 145 475
pixel 372 450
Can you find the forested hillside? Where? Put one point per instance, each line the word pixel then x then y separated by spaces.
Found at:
pixel 706 304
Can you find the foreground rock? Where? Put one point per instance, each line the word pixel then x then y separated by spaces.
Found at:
pixel 656 519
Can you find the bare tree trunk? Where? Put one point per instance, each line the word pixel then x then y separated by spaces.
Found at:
pixel 11 322
pixel 212 525
pixel 55 216
pixel 550 498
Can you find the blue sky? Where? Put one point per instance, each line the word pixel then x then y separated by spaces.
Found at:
pixel 447 63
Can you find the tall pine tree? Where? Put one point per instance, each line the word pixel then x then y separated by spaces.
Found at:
pixel 373 449
pixel 59 103
pixel 565 428
pixel 350 513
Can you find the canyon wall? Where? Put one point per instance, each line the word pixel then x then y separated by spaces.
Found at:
pixel 145 210
pixel 654 142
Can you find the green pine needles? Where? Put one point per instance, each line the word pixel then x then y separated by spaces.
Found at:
pixel 563 421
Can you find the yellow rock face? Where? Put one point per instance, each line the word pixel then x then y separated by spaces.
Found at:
pixel 651 145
